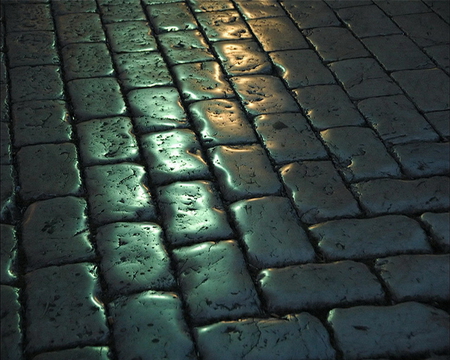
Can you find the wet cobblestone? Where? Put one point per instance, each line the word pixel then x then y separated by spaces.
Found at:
pixel 182 179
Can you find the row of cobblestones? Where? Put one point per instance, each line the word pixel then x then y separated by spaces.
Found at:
pixel 234 179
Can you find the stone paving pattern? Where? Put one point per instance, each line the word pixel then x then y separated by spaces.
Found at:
pixel 224 179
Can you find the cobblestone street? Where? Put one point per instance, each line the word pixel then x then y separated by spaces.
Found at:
pixel 225 180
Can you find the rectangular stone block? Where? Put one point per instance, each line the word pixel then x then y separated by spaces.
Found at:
pixel 318 191
pixel 11 332
pixel 293 336
pixel 130 36
pixel 407 329
pixel 313 286
pixel 223 25
pixel 438 225
pixel 215 282
pixel 79 28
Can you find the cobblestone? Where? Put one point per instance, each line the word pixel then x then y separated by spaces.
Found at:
pixel 243 172
pixel 48 170
pixel 271 240
pixel 74 6
pixel 317 191
pixel 416 276
pixel 7 191
pixel 87 353
pixel 107 141
pixel 288 137
pixel 311 286
pixel 40 122
pixel 8 260
pixel 440 55
pixel 5 147
pixel 400 8
pixel 171 17
pixel 133 258
pixel 130 36
pixel 360 331
pixel 405 126
pixel 55 291
pixel 193 212
pixel 56 232
pixel 365 238
pixel 79 28
pixel 299 335
pixel 11 344
pixel 439 121
pixel 260 9
pixel 439 226
pixel 122 12
pixel 311 14
pixel 24 17
pixel 299 68
pixel 215 282
pixel 350 147
pixel 119 192
pixel 424 159
pixel 223 25
pixel 319 104
pixel 392 195
pixel 154 322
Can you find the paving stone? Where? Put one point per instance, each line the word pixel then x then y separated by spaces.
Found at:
pixel 271 232
pixel 184 46
pixel 85 353
pixel 425 29
pixel 171 17
pixel 367 21
pixel 368 238
pixel 7 192
pixel 271 34
pixel 243 172
pixel 440 122
pixel 37 122
pixel 291 336
pixel 118 192
pixel 424 158
pixel 11 333
pixel 242 57
pixel 156 109
pixel 427 88
pixel 300 68
pixel 401 7
pixel 79 27
pixel 439 227
pixel 318 191
pixel 56 232
pixel 260 9
pixel 26 17
pixel 414 277
pixel 338 4
pixel 440 55
pixel 288 137
pixel 154 322
pixel 396 120
pixel 4 102
pixel 8 260
pixel 62 308
pixel 142 69
pixel 363 78
pixel 375 331
pixel 221 122
pixel 96 97
pixel 133 258
pixel 130 36
pixel 223 25
pixel 263 94
pixel 394 196
pixel 31 48
pixel 359 154
pixel 5 145
pixel 440 7
pixel 215 282
pixel 311 14
pixel 312 286
pixel 78 62
pixel 174 156
pixel 192 212
pixel 107 141
pixel 335 43
pixel 111 13
pixel 319 105
pixel 48 170
pixel 62 7
pixel 210 5
pixel 36 83
pixel 3 71
pixel 201 81
pixel 397 52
